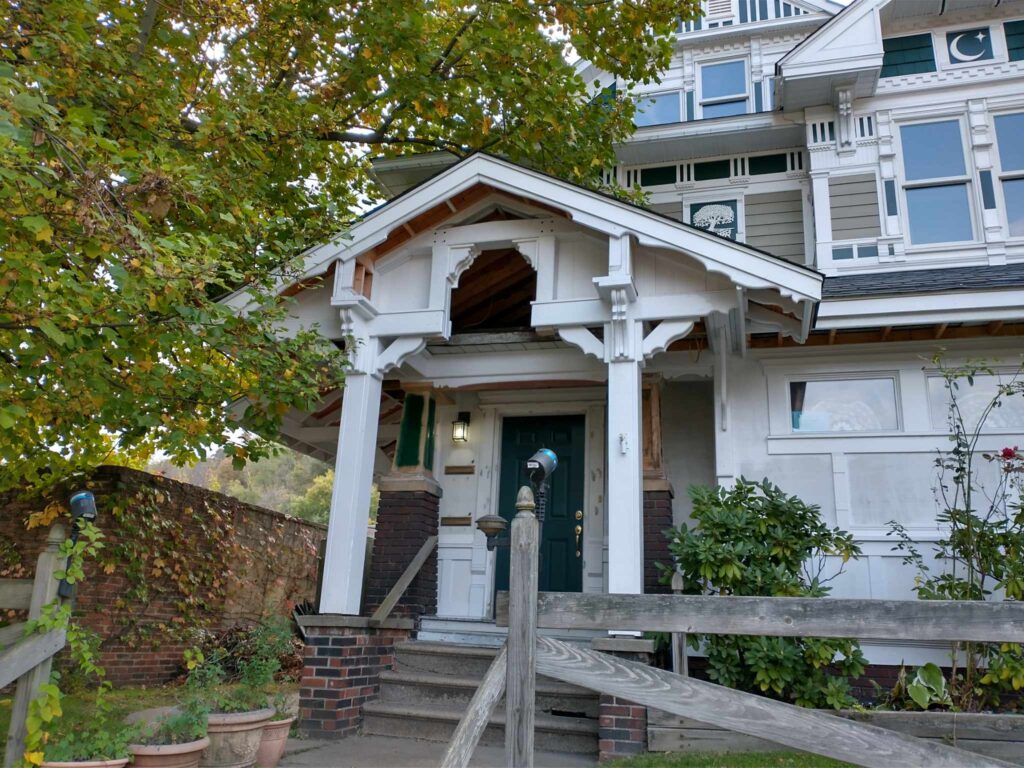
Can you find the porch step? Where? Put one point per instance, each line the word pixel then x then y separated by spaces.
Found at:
pixel 554 734
pixel 427 693
pixel 440 690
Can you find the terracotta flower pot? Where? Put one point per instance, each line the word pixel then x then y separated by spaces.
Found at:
pixel 120 763
pixel 168 755
pixel 275 738
pixel 234 738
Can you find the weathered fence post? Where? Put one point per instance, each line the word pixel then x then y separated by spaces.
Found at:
pixel 520 677
pixel 44 591
pixel 680 665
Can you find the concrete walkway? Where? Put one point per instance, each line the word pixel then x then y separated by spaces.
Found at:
pixel 388 752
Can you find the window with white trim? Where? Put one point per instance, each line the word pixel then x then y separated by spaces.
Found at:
pixel 658 109
pixel 724 89
pixel 936 184
pixel 843 405
pixel 1010 138
pixel 973 397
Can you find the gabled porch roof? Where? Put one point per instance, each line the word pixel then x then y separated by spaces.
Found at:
pixel 441 197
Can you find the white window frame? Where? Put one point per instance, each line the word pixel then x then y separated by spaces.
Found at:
pixel 700 101
pixel 655 94
pixel 891 375
pixel 945 181
pixel 935 373
pixel 1001 175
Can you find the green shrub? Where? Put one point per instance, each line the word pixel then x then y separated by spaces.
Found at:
pixel 754 540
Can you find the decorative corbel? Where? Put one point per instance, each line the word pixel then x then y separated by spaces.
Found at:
pixel 844 115
pixel 460 258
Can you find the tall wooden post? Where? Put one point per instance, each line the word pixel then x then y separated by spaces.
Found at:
pixel 521 673
pixel 44 592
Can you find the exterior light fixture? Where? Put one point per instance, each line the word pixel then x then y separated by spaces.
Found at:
pixel 490 526
pixel 460 428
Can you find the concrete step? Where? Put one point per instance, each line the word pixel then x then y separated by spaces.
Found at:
pixel 429 690
pixel 461 661
pixel 420 657
pixel 436 723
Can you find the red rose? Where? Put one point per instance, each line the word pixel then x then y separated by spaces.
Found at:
pixel 1010 453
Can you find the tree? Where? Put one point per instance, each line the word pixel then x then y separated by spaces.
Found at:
pixel 155 156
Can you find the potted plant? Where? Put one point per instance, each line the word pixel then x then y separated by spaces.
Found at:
pixel 101 741
pixel 176 740
pixel 275 735
pixel 239 714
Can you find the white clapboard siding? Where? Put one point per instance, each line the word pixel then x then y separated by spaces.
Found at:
pixel 854 207
pixel 673 210
pixel 775 223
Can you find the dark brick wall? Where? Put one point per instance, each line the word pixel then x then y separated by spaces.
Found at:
pixel 657 519
pixel 405 519
pixel 341 673
pixel 272 557
pixel 622 728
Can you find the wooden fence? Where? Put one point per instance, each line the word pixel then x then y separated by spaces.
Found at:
pixel 526 654
pixel 28 658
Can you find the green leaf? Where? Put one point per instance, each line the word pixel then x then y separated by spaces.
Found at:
pixel 46 326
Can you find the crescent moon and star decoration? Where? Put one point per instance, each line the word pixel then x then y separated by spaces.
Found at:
pixel 969 45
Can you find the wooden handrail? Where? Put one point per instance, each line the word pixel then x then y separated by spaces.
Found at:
pixel 28 653
pixel 965 620
pixel 15 594
pixel 478 714
pixel 410 573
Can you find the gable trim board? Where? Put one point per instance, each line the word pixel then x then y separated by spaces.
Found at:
pixel 745 266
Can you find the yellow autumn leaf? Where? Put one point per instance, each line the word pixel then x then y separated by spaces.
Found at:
pixel 35 758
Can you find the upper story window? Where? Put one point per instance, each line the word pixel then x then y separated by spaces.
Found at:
pixel 907 55
pixel 658 109
pixel 1014 40
pixel 723 89
pixel 1010 137
pixel 936 182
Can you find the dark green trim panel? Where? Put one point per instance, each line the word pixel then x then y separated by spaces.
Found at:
pixel 408 451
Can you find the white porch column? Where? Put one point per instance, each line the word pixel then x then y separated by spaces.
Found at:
pixel 625 479
pixel 350 499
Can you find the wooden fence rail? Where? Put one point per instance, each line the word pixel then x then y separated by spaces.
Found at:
pixel 1001 622
pixel 803 729
pixel 524 611
pixel 30 658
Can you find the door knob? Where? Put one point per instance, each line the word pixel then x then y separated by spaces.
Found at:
pixel 579 514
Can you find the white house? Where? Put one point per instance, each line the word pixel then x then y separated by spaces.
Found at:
pixel 835 193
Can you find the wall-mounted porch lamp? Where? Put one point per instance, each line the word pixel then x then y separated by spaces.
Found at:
pixel 491 526
pixel 460 428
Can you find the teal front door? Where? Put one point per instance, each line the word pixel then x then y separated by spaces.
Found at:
pixel 561 549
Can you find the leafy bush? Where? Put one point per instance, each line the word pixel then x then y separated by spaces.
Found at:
pixel 754 540
pixel 100 736
pixel 187 723
pixel 252 663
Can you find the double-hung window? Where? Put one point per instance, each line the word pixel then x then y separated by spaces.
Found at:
pixel 1010 135
pixel 724 89
pixel 658 109
pixel 936 183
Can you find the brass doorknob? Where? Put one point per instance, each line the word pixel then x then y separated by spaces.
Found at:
pixel 579 514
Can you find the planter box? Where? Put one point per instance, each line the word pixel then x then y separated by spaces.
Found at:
pixel 999 736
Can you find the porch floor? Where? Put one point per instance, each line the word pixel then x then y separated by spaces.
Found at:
pixel 378 751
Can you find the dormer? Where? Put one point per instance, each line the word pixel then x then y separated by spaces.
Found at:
pixel 872 39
